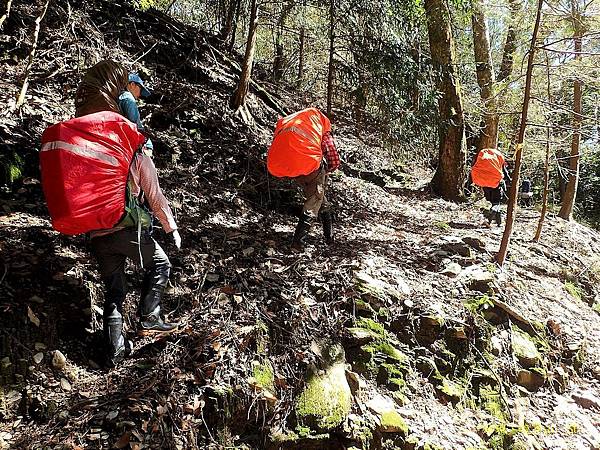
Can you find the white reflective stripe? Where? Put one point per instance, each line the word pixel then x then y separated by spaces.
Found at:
pixel 300 131
pixel 88 150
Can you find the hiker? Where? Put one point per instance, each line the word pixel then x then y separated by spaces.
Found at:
pixel 128 105
pixel 132 239
pixel 303 150
pixel 490 172
pixel 526 194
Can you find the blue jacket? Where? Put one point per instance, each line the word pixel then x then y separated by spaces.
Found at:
pixel 129 109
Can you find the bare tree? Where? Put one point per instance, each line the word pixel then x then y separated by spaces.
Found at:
pixel 239 97
pixel 514 187
pixel 568 201
pixel 510 44
pixel 488 138
pixel 450 175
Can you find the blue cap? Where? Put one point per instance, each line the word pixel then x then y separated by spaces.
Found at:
pixel 134 77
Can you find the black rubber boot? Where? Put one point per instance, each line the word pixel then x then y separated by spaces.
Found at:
pixel 117 346
pixel 153 323
pixel 327 221
pixel 496 215
pixel 301 232
pixel 153 287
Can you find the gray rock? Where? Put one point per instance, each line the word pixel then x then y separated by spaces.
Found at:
pixel 58 360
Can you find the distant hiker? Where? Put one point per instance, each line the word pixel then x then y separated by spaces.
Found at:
pixel 132 238
pixel 526 194
pixel 303 149
pixel 489 172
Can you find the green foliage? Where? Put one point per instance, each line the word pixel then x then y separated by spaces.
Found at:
pixel 11 168
pixel 370 324
pixel 476 305
pixel 574 290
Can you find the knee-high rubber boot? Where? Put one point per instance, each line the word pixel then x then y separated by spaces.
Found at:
pixel 151 321
pixel 301 232
pixel 327 221
pixel 117 347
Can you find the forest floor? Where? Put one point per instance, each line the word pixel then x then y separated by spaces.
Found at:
pixel 415 338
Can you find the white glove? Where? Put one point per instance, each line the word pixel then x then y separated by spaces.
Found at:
pixel 176 239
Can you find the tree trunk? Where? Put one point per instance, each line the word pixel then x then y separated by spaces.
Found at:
pixel 488 136
pixel 514 187
pixel 510 45
pixel 227 29
pixel 239 96
pixel 538 232
pixel 236 17
pixel 568 201
pixel 301 58
pixel 450 175
pixel 331 53
pixel 278 61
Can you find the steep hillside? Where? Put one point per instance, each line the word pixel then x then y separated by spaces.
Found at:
pixel 403 334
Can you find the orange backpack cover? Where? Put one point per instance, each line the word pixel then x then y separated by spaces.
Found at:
pixel 296 146
pixel 487 171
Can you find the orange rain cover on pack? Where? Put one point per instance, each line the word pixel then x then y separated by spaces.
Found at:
pixel 296 147
pixel 487 171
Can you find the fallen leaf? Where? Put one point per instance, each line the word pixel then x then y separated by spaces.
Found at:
pixel 33 317
pixel 123 440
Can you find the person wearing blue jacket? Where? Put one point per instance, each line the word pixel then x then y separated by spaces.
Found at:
pixel 128 105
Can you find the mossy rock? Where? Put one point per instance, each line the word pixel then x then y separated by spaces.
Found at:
pixel 392 422
pixel 525 350
pixel 263 375
pixel 326 399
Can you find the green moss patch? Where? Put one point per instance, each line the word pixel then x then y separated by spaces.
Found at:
pixel 326 400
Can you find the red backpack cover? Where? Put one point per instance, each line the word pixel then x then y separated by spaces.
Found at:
pixel 487 170
pixel 85 166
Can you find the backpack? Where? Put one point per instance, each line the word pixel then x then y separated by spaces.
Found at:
pixel 487 170
pixel 84 163
pixel 296 147
pixel 100 88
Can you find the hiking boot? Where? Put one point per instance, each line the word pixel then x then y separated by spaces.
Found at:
pixel 327 221
pixel 495 215
pixel 117 347
pixel 301 232
pixel 153 323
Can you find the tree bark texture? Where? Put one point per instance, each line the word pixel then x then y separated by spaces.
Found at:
pixel 514 187
pixel 488 135
pixel 450 175
pixel 568 201
pixel 510 44
pixel 330 67
pixel 239 96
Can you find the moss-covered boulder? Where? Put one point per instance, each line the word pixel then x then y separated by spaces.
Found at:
pixel 525 350
pixel 326 399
